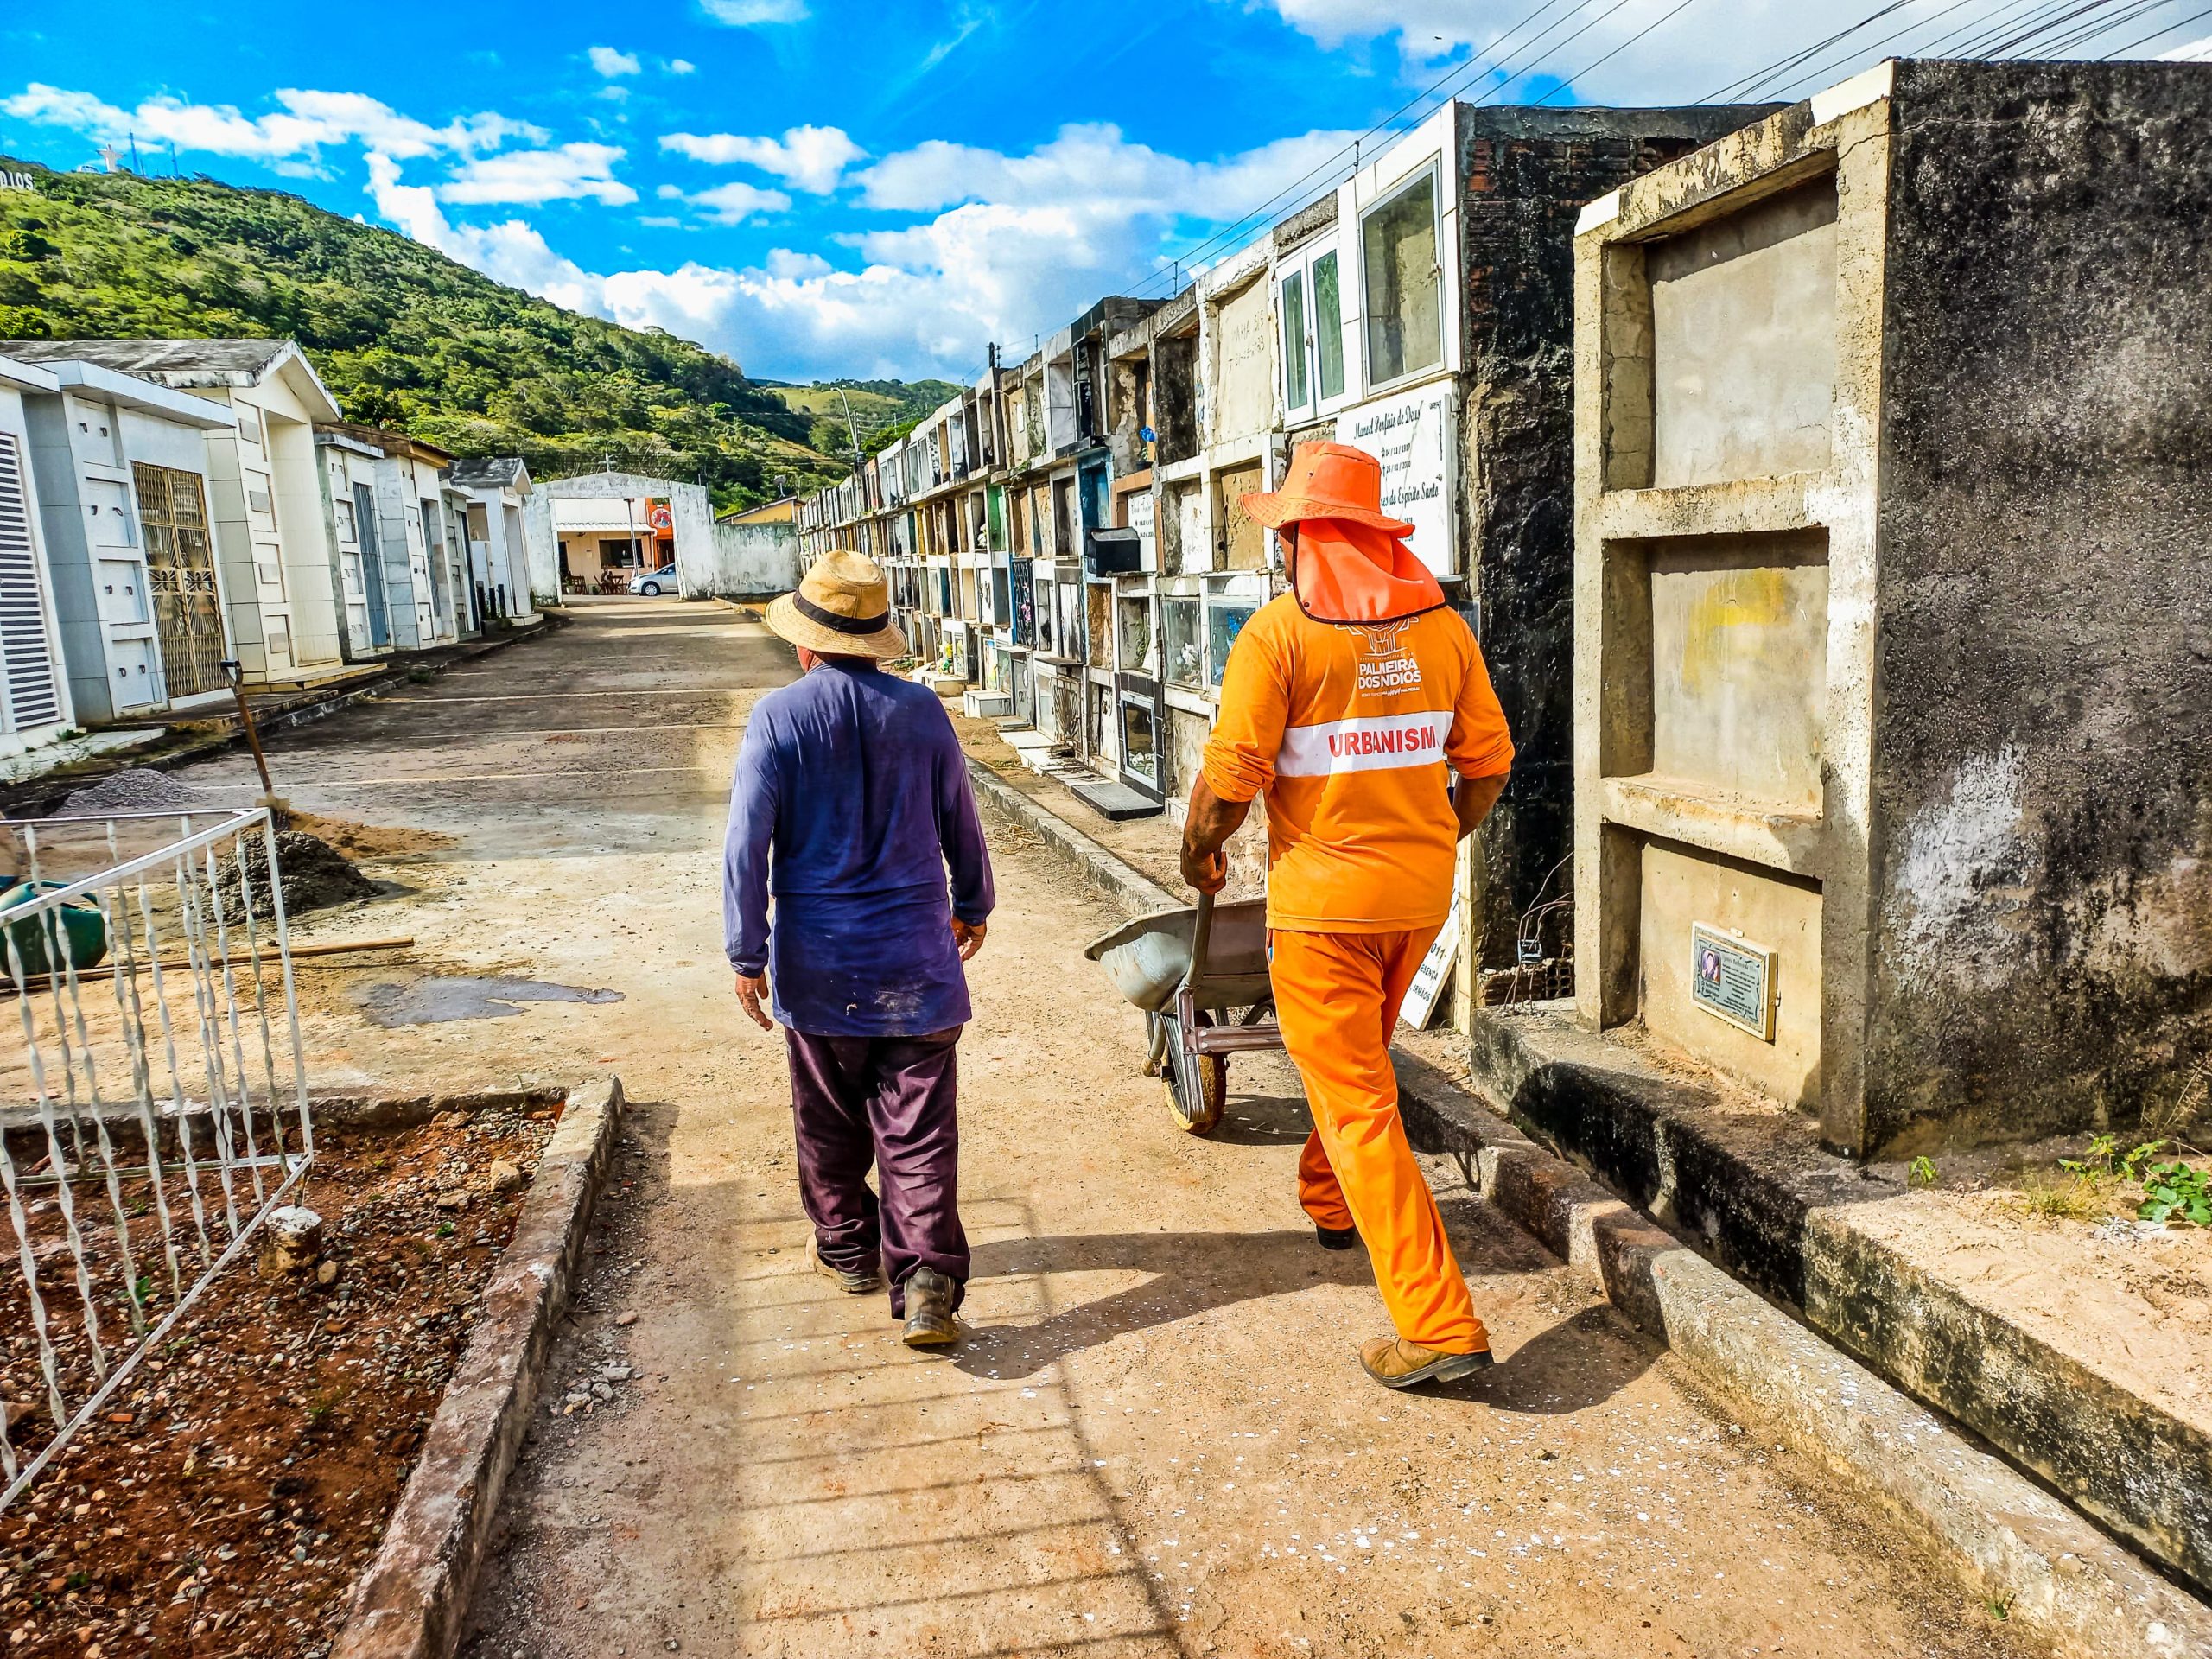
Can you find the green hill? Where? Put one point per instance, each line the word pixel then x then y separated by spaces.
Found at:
pixel 879 406
pixel 404 336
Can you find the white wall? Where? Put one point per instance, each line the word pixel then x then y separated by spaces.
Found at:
pixel 748 560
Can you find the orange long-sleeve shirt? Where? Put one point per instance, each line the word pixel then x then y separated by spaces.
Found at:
pixel 1349 731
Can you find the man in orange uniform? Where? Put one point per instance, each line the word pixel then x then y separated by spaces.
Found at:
pixel 1348 702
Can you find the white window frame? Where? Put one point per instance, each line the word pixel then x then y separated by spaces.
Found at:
pixel 1431 170
pixel 1300 266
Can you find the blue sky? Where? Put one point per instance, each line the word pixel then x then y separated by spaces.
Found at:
pixel 820 187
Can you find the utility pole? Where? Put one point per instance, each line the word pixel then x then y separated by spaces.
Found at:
pixel 852 432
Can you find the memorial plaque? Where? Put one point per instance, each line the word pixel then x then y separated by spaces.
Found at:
pixel 1732 979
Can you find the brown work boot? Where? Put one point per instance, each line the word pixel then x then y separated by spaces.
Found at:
pixel 929 1311
pixel 853 1281
pixel 1396 1364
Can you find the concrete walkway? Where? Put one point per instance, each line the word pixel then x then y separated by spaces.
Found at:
pixel 1158 1439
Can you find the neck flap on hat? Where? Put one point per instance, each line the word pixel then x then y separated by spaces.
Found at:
pixel 1347 573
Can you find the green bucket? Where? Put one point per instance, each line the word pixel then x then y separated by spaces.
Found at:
pixel 84 931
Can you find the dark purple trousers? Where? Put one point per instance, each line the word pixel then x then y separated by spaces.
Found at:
pixel 888 1100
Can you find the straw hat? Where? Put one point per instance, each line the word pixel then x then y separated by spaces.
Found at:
pixel 1327 480
pixel 842 608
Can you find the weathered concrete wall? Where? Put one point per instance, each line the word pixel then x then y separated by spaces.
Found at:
pixel 2043 948
pixel 1744 342
pixel 1738 660
pixel 1244 366
pixel 1527 173
pixel 747 561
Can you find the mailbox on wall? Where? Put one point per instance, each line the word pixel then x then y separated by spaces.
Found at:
pixel 1112 553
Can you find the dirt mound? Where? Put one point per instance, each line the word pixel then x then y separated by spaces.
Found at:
pixel 315 875
pixel 370 841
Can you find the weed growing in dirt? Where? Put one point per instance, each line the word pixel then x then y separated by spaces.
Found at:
pixel 2104 1157
pixel 1921 1173
pixel 2176 1191
pixel 2079 1200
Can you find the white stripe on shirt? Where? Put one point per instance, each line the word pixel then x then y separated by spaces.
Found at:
pixel 1377 743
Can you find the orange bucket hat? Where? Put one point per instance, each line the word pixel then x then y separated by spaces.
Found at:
pixel 1327 480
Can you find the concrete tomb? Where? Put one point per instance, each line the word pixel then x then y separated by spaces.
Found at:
pixel 1893 602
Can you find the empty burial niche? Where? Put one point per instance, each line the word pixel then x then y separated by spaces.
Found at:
pixel 1718 665
pixel 1743 319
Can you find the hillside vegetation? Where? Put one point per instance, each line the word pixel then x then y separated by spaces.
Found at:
pixel 403 336
pixel 881 409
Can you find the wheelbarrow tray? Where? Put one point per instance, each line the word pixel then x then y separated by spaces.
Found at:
pixel 1148 957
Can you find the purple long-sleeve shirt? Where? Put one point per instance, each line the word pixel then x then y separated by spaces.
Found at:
pixel 851 804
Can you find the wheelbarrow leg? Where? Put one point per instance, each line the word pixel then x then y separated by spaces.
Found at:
pixel 1197 1084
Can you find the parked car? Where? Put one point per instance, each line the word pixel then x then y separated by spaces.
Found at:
pixel 654 583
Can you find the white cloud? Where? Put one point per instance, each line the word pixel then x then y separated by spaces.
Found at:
pixel 681 66
pixel 732 204
pixel 1660 59
pixel 748 14
pixel 1081 216
pixel 2195 52
pixel 510 252
pixel 1093 168
pixel 308 122
pixel 610 63
pixel 808 158
pixel 563 173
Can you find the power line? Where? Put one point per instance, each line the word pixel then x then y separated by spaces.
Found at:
pixel 2193 17
pixel 1744 85
pixel 2081 36
pixel 1600 63
pixel 1190 254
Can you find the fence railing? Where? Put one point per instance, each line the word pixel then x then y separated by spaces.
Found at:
pixel 156 1108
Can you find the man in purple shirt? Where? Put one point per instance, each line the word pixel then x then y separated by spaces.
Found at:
pixel 851 803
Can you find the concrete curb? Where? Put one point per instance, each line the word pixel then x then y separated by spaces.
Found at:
pixel 1792 1225
pixel 2023 1547
pixel 412 1600
pixel 2019 1544
pixel 1103 869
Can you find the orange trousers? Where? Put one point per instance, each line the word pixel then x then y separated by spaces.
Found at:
pixel 1336 997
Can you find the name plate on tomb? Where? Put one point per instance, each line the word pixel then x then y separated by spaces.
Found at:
pixel 1732 979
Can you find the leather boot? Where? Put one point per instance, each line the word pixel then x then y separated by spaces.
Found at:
pixel 929 1311
pixel 853 1281
pixel 1396 1364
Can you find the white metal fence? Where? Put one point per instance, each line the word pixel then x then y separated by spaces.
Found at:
pixel 156 1110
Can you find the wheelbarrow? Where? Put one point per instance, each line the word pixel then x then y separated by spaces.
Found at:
pixel 1200 975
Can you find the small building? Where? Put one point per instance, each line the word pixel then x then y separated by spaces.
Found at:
pixel 408 568
pixel 783 510
pixel 124 494
pixel 604 540
pixel 264 488
pixel 35 702
pixel 492 494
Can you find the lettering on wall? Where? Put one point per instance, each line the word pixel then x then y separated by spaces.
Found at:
pixel 1410 434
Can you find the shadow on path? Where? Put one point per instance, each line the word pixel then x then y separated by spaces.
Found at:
pixel 1579 1362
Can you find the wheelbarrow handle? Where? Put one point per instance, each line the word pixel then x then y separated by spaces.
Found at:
pixel 1201 936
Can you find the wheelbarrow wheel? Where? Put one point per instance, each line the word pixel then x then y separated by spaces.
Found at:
pixel 1197 1085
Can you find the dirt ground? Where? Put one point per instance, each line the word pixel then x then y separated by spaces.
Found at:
pixel 1156 1438
pixel 233 1491
pixel 2064 1256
